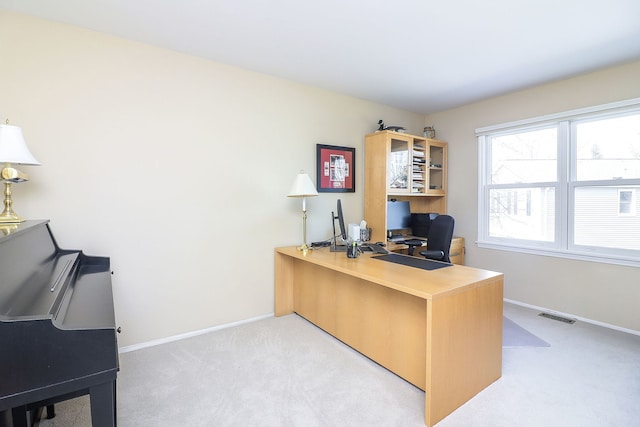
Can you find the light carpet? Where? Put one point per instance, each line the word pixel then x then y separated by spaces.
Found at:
pixel 285 372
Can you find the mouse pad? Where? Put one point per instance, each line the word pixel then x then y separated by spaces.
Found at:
pixel 423 263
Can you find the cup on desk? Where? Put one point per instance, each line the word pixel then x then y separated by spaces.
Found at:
pixel 365 234
pixel 352 249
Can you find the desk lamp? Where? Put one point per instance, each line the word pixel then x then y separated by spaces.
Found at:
pixel 13 149
pixel 303 187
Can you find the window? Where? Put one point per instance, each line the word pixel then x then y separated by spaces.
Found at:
pixel 521 192
pixel 563 185
pixel 626 202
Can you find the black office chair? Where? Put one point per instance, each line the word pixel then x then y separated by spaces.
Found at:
pixel 439 238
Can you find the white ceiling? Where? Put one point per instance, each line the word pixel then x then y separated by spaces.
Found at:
pixel 419 55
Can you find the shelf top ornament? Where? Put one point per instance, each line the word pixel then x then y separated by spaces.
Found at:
pixel 381 127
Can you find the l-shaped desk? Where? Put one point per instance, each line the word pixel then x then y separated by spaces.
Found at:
pixel 441 330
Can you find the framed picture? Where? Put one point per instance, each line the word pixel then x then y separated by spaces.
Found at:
pixel 336 169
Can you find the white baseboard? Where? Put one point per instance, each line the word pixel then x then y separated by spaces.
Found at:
pixel 573 316
pixel 241 322
pixel 189 334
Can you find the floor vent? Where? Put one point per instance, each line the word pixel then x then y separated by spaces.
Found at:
pixel 558 318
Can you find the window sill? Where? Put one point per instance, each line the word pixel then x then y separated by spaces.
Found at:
pixel 557 253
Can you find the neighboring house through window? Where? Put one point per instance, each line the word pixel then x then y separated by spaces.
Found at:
pixel 563 185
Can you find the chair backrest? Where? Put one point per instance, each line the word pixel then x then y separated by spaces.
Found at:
pixel 440 235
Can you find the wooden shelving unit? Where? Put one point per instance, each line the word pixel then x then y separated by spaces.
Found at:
pixel 403 167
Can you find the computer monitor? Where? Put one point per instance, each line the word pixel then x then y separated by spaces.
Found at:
pixel 343 231
pixel 398 216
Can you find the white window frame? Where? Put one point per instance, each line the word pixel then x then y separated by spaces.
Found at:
pixel 564 186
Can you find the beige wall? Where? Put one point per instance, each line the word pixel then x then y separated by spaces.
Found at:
pixel 178 169
pixel 600 292
pixel 174 166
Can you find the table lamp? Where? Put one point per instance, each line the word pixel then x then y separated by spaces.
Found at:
pixel 303 187
pixel 13 150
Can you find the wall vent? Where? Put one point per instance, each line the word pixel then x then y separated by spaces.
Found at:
pixel 558 318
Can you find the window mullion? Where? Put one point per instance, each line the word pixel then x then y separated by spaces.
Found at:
pixel 564 214
pixel 484 156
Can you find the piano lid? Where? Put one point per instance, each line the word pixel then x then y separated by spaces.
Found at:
pixel 34 272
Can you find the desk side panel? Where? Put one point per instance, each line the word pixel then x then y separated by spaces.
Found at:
pixel 283 288
pixel 465 341
pixel 385 325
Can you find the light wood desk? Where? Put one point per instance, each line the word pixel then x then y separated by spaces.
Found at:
pixel 441 330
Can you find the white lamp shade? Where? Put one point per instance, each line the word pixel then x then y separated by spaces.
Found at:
pixel 302 186
pixel 13 149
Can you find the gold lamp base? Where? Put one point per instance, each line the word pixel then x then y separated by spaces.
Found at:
pixel 8 216
pixel 304 247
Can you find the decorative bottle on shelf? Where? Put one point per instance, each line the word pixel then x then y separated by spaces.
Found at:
pixel 429 132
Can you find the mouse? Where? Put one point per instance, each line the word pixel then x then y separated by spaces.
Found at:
pixel 380 244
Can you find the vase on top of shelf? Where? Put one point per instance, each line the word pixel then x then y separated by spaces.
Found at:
pixel 429 132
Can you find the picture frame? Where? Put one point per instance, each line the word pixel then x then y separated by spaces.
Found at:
pixel 335 169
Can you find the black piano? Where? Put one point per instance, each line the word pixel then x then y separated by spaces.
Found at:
pixel 57 327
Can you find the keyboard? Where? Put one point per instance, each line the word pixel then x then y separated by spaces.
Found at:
pixel 320 244
pixel 374 248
